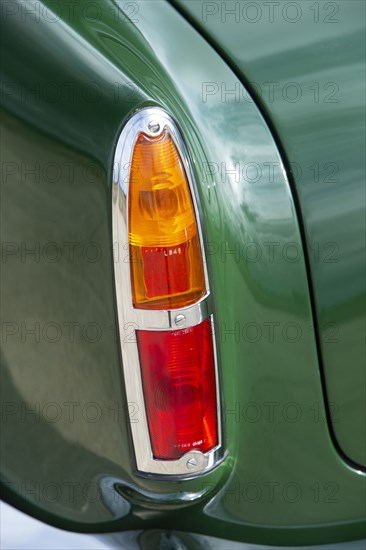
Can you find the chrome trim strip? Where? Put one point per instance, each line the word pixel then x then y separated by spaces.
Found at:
pixel 150 120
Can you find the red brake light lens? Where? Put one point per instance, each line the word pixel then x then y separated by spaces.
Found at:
pixel 178 375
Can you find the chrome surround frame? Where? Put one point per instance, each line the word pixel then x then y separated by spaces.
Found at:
pixel 152 120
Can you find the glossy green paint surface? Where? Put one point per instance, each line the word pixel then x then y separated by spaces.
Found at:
pixel 282 481
pixel 305 65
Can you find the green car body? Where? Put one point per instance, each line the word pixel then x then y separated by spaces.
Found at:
pixel 272 113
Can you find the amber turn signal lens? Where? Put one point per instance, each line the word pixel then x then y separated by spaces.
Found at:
pixel 165 255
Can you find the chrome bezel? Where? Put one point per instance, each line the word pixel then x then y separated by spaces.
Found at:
pixel 193 462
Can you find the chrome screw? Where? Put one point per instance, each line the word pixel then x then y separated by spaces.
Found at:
pixel 154 126
pixel 191 463
pixel 180 320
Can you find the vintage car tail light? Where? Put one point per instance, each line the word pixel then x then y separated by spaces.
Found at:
pixel 163 301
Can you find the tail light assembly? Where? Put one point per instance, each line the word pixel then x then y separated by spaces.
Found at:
pixel 165 310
